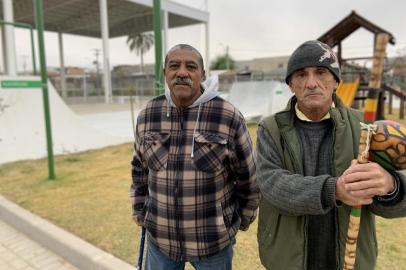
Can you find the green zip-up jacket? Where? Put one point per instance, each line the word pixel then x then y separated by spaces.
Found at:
pixel 288 197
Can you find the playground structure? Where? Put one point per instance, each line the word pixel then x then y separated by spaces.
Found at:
pixel 347 90
pixel 356 88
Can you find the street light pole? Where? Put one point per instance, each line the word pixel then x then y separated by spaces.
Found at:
pixel 96 63
pixel 227 58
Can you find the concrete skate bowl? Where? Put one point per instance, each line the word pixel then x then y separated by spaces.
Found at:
pixel 258 99
pixel 22 127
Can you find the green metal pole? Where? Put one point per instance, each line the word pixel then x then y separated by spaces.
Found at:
pixel 159 78
pixel 40 30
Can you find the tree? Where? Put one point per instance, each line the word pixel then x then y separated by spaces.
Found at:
pixel 399 65
pixel 140 43
pixel 222 62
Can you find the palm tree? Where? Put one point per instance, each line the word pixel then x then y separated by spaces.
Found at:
pixel 140 43
pixel 222 62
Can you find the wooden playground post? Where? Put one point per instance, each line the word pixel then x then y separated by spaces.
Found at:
pixel 390 103
pixel 374 86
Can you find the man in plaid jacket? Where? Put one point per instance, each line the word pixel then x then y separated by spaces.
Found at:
pixel 193 170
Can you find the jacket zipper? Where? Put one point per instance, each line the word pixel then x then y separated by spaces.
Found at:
pixel 298 169
pixel 177 214
pixel 305 242
pixel 334 173
pixel 177 187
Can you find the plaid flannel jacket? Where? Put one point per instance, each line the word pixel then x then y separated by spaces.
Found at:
pixel 193 180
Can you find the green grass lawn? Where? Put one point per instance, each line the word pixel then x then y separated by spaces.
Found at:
pixel 90 199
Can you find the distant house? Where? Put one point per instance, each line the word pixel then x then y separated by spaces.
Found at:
pixel 127 78
pixel 130 70
pixel 75 80
pixel 266 68
pixel 265 64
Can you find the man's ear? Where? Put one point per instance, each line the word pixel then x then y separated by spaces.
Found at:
pixel 336 85
pixel 290 86
pixel 203 75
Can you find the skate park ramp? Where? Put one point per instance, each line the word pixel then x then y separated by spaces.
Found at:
pixel 346 91
pixel 22 127
pixel 257 99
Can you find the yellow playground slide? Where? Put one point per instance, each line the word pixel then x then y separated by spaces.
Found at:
pixel 346 91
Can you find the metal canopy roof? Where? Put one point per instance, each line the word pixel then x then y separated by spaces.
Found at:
pixel 82 17
pixel 347 26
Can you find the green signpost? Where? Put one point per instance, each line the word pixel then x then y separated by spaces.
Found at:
pixel 39 21
pixel 12 84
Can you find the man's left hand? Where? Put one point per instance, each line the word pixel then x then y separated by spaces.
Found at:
pixel 368 180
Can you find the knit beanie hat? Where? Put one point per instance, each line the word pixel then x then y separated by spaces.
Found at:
pixel 313 53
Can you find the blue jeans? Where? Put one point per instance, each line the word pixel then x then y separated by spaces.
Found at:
pixel 156 260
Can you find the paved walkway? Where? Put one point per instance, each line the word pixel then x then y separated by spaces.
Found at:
pixel 18 252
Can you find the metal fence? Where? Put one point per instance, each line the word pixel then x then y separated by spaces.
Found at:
pixel 80 89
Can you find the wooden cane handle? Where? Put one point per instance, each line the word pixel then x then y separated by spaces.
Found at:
pixel 362 155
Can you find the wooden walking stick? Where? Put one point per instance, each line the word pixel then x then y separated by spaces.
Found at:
pixel 370 115
pixel 387 147
pixel 355 215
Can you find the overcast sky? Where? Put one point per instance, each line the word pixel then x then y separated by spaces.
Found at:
pixel 254 28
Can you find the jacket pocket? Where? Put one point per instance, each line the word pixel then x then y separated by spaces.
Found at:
pixel 222 230
pixel 156 150
pixel 209 152
pixel 280 239
pixel 267 224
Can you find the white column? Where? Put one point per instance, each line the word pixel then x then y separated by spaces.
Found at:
pixel 10 55
pixel 3 49
pixel 106 50
pixel 166 26
pixel 62 66
pixel 84 86
pixel 207 38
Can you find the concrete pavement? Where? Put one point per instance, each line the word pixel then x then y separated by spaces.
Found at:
pixel 18 252
pixel 28 242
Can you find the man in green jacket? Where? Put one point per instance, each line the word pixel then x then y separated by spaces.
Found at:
pixel 308 175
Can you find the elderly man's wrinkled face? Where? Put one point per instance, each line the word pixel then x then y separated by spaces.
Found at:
pixel 313 88
pixel 183 74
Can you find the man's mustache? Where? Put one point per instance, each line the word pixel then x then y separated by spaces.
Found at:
pixel 182 81
pixel 313 92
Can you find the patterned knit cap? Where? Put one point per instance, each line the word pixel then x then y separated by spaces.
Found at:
pixel 313 53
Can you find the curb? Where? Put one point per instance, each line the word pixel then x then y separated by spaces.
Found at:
pixel 73 249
